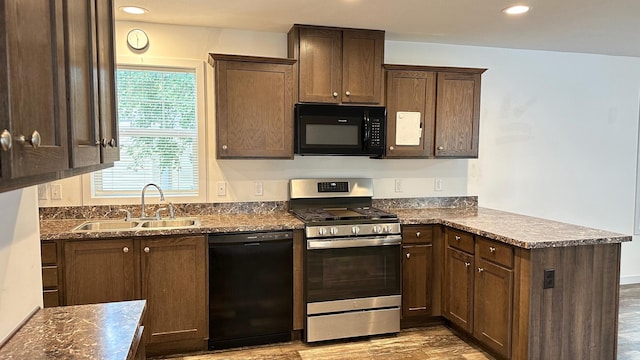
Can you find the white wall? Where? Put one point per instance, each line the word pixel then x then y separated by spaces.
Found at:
pixel 20 270
pixel 558 133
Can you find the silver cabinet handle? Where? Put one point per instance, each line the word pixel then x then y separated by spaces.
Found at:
pixel 440 147
pixel 418 234
pixel 480 270
pixel 224 147
pixel 5 140
pixel 348 93
pixel 146 249
pixel 112 142
pixel 391 148
pixel 492 249
pixel 457 237
pixel 467 264
pixel 408 255
pixel 34 140
pixel 103 142
pixel 125 249
pixel 335 94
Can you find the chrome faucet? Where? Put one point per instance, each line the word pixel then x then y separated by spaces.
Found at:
pixel 143 213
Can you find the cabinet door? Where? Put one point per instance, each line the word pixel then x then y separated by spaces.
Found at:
pixel 254 109
pixel 493 306
pixel 416 279
pixel 320 65
pixel 362 57
pixel 106 82
pixel 410 91
pixel 174 285
pixel 457 115
pixel 458 288
pixel 82 82
pixel 32 88
pixel 99 271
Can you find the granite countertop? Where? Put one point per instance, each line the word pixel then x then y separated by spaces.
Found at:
pixel 518 230
pixel 217 223
pixel 98 331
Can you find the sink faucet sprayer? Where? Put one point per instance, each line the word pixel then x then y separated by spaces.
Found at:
pixel 143 213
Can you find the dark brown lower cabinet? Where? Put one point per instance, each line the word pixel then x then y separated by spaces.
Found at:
pixel 416 279
pixel 169 272
pixel 99 271
pixel 493 306
pixel 458 288
pixel 174 284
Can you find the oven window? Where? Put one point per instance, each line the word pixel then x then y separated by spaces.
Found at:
pixel 335 274
pixel 324 134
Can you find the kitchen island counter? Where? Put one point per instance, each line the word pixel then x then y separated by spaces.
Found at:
pixel 109 331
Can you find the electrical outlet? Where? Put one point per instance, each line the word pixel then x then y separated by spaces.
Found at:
pixel 56 191
pixel 43 192
pixel 398 185
pixel 549 278
pixel 437 184
pixel 222 188
pixel 258 188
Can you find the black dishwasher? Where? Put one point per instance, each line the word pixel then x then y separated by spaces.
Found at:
pixel 250 288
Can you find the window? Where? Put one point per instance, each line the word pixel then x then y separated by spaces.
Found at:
pixel 158 132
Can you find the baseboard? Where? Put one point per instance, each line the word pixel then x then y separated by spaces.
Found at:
pixel 631 279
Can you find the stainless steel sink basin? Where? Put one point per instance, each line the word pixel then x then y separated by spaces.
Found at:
pixel 136 224
pixel 106 225
pixel 169 223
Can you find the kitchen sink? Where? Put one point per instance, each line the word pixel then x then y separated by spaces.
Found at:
pixel 169 223
pixel 136 224
pixel 106 225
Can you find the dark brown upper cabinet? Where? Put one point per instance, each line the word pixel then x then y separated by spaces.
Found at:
pixel 254 99
pixel 338 65
pixel 91 90
pixel 33 120
pixel 56 113
pixel 432 111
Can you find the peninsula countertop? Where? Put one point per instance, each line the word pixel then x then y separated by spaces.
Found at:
pixel 519 230
pixel 109 331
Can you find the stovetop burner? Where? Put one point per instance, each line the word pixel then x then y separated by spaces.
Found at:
pixel 332 214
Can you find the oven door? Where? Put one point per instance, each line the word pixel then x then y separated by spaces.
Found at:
pixel 348 268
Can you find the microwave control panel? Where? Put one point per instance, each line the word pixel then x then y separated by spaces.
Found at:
pixel 376 139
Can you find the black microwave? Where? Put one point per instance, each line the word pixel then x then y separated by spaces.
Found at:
pixel 327 129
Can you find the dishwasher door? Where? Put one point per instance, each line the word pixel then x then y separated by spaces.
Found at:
pixel 250 289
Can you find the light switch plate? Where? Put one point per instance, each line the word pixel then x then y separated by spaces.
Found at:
pixel 56 192
pixel 222 188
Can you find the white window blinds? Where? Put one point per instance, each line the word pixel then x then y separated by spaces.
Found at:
pixel 157 115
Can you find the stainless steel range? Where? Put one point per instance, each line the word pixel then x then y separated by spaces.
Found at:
pixel 352 259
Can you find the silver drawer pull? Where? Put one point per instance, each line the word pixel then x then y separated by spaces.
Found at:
pixel 480 270
pixel 492 249
pixel 457 237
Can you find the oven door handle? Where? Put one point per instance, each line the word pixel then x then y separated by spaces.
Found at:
pixel 353 242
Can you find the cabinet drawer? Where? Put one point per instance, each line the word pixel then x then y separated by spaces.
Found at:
pixel 460 240
pixel 501 254
pixel 48 252
pixel 49 276
pixel 417 234
pixel 50 298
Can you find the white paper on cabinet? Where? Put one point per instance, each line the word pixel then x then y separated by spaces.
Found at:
pixel 408 130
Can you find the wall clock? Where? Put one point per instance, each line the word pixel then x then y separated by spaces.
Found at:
pixel 137 39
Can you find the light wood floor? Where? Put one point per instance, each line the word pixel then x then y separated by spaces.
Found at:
pixel 430 343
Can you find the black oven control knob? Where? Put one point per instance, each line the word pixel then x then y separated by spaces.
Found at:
pixel 377 229
pixel 322 231
pixel 355 230
pixel 333 231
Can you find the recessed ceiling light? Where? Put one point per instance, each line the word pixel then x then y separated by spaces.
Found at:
pixel 516 9
pixel 135 10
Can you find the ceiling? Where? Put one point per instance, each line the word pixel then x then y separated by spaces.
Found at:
pixel 609 27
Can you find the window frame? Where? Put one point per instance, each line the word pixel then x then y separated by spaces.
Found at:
pixel 169 65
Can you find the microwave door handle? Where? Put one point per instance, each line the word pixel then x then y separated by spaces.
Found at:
pixel 366 127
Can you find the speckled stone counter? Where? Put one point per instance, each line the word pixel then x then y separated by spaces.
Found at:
pixel 219 223
pixel 519 230
pixel 107 331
